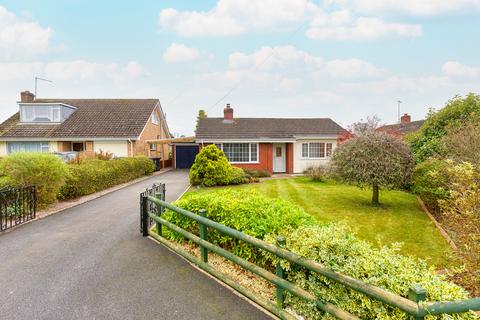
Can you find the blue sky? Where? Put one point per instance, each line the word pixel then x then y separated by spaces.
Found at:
pixel 344 59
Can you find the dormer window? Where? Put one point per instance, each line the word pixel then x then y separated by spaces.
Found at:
pixel 44 113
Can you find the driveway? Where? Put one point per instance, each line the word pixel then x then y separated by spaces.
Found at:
pixel 91 262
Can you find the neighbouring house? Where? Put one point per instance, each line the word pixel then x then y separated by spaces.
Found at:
pixel 122 127
pixel 403 128
pixel 278 145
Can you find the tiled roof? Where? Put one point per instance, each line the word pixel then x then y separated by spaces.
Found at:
pixel 265 128
pixel 403 128
pixel 93 118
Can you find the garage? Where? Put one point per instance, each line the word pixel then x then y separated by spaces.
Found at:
pixel 185 155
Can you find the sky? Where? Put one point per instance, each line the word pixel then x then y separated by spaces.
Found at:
pixel 343 59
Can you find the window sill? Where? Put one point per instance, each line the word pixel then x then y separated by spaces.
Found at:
pixel 325 158
pixel 244 162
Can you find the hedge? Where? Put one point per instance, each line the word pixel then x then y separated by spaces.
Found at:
pixel 332 245
pixel 95 175
pixel 44 171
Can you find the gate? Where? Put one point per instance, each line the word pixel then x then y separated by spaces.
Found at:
pixel 17 206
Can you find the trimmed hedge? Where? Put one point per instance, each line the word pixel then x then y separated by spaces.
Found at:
pixel 95 175
pixel 244 210
pixel 333 245
pixel 44 171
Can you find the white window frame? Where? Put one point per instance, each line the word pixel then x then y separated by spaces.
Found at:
pixel 309 149
pixel 220 146
pixel 155 118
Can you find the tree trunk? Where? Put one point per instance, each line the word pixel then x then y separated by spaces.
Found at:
pixel 375 194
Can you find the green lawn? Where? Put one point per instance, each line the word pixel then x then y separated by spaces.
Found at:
pixel 399 219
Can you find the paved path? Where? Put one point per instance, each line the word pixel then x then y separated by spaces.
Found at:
pixel 90 262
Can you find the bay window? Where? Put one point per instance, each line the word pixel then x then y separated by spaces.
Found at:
pixel 240 152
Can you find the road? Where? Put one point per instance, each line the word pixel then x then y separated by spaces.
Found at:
pixel 91 262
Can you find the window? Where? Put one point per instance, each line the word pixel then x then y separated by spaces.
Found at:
pixel 41 113
pixel 278 152
pixel 154 118
pixel 316 150
pixel 329 150
pixel 13 147
pixel 153 146
pixel 240 152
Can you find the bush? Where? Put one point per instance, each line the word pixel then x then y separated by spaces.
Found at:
pixel 428 141
pixel 211 168
pixel 430 182
pixel 243 210
pixel 318 172
pixel 238 176
pixel 45 171
pixel 463 144
pixel 257 173
pixel 338 249
pixel 90 176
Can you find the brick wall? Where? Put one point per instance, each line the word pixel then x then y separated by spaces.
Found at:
pixel 265 158
pixel 289 157
pixel 151 132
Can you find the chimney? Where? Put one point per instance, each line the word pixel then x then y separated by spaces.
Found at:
pixel 228 113
pixel 406 118
pixel 26 96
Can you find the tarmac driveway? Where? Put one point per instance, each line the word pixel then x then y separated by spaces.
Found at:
pixel 91 262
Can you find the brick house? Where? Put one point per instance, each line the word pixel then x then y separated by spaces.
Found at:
pixel 118 126
pixel 273 144
pixel 403 128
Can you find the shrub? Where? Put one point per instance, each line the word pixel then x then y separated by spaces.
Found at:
pixel 211 168
pixel 428 141
pixel 243 210
pixel 430 182
pixel 90 176
pixel 338 249
pixel 45 171
pixel 463 144
pixel 318 172
pixel 257 173
pixel 374 159
pixel 238 176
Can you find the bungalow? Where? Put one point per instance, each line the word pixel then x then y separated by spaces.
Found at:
pixel 118 126
pixel 273 144
pixel 403 128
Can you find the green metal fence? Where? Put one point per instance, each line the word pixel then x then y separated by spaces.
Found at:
pixel 412 306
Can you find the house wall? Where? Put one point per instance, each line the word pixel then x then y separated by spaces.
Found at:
pixel 53 146
pixel 64 146
pixel 265 158
pixel 300 164
pixel 3 149
pixel 118 148
pixel 152 132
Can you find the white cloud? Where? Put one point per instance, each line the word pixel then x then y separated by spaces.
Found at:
pixel 413 7
pixel 341 25
pixel 20 38
pixel 234 17
pixel 353 69
pixel 74 71
pixel 178 52
pixel 458 70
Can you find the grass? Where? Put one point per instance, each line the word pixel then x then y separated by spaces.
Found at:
pixel 398 219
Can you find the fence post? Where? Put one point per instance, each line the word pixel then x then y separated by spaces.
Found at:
pixel 159 196
pixel 417 294
pixel 280 273
pixel 144 214
pixel 203 235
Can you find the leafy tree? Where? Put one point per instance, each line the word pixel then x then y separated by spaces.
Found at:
pixel 428 141
pixel 202 114
pixel 374 159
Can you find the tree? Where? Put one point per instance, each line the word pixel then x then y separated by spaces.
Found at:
pixel 365 126
pixel 374 159
pixel 211 168
pixel 202 114
pixel 428 141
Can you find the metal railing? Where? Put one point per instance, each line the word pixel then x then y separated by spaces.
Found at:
pixel 17 206
pixel 413 306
